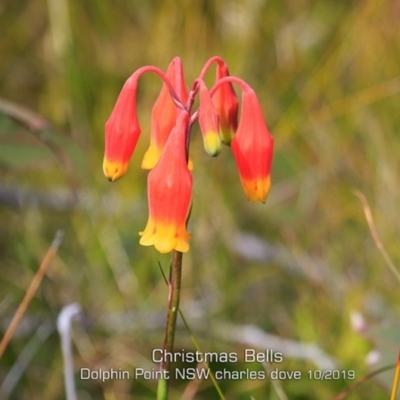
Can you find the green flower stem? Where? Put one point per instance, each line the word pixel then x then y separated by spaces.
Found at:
pixel 174 285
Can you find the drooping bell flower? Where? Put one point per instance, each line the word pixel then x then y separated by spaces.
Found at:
pixel 169 189
pixel 164 112
pixel 252 147
pixel 226 104
pixel 122 132
pixel 208 121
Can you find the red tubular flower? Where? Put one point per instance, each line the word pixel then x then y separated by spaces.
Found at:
pixel 122 132
pixel 164 112
pixel 226 104
pixel 169 188
pixel 252 147
pixel 208 120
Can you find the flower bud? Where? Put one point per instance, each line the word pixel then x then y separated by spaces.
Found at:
pixel 122 132
pixel 252 147
pixel 226 104
pixel 208 121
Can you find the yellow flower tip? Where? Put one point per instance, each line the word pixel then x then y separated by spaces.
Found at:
pixel 165 237
pixel 257 189
pixel 226 136
pixel 151 157
pixel 212 143
pixel 113 170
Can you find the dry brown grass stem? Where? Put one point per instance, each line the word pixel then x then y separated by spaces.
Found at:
pixel 374 233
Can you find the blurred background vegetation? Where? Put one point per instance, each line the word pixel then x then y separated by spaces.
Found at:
pixel 303 267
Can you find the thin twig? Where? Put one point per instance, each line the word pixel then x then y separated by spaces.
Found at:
pixel 24 116
pixel 361 380
pixel 40 128
pixel 374 233
pixel 37 279
pixel 197 347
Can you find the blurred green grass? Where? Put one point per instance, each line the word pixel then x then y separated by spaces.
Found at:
pixel 328 79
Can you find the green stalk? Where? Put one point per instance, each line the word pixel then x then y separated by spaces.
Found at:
pixel 174 285
pixel 197 347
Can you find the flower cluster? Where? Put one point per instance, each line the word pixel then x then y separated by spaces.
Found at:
pixel 170 179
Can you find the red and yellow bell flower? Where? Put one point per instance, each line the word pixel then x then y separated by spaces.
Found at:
pixel 122 132
pixel 252 147
pixel 169 188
